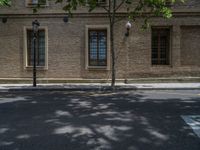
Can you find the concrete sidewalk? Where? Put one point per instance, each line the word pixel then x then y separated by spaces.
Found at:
pixel 98 86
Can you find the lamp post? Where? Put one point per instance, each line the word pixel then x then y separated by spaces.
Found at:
pixel 35 25
pixel 128 27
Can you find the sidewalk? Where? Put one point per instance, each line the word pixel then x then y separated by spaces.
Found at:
pixel 98 86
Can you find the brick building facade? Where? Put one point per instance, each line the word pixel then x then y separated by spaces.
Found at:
pixel 79 49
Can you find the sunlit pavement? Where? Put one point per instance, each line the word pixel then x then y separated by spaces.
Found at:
pixel 126 120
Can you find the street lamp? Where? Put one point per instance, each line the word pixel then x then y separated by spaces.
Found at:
pixel 35 25
pixel 128 27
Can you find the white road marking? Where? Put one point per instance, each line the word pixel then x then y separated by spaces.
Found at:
pixel 194 122
pixel 173 93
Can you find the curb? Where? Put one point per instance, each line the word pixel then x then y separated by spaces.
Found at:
pixel 95 88
pixel 92 88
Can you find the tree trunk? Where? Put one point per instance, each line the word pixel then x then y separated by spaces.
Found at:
pixel 112 23
pixel 113 54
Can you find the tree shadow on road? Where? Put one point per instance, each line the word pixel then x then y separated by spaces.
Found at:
pixel 95 121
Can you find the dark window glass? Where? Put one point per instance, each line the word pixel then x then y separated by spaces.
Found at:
pixel 168 3
pixel 42 2
pixel 99 2
pixel 97 48
pixel 160 46
pixel 39 1
pixel 40 48
pixel 102 1
pixel 36 2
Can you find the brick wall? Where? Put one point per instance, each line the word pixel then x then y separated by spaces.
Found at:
pixel 190 45
pixel 66 48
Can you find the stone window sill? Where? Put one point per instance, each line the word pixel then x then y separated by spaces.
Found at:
pixel 97 68
pixel 37 67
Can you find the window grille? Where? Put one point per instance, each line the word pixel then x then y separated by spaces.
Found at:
pixel 40 48
pixel 160 46
pixel 97 47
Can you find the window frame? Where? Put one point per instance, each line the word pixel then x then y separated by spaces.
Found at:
pixel 26 63
pixel 97 27
pixel 168 54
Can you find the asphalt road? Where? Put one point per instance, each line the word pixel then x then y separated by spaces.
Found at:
pixel 126 120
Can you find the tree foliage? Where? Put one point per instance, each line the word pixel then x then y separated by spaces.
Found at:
pixel 5 2
pixel 157 7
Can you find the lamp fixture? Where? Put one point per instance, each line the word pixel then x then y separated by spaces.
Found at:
pixel 65 19
pixel 4 20
pixel 128 27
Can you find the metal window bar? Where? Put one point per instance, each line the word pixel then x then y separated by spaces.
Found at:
pixel 160 46
pixel 97 47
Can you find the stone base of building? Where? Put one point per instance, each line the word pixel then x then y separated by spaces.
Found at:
pixel 80 80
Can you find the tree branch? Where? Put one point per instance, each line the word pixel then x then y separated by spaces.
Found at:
pixel 122 2
pixel 109 11
pixel 106 9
